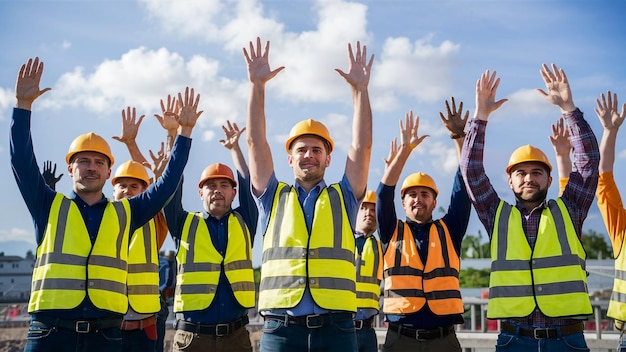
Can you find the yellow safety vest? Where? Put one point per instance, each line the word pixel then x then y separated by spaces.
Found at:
pixel 410 284
pixel 550 276
pixel 200 264
pixel 617 304
pixel 369 272
pixel 69 267
pixel 143 270
pixel 293 258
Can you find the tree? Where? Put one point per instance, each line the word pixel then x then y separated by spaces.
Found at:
pixel 472 247
pixel 596 246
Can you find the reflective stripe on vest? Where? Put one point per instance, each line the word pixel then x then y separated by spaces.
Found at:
pixel 293 259
pixel 617 304
pixel 68 266
pixel 200 264
pixel 409 284
pixel 143 270
pixel 369 268
pixel 552 274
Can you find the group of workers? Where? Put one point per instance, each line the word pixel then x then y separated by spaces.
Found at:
pixel 96 278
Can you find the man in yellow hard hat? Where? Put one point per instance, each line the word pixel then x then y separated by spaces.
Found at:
pixel 422 295
pixel 309 304
pixel 79 280
pixel 369 273
pixel 215 283
pixel 538 282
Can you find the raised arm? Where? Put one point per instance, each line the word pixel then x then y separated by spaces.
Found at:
pixel 486 88
pixel 27 85
pixel 130 127
pixel 259 153
pixel 455 123
pixel 557 85
pixel 408 141
pixel 188 112
pixel 358 160
pixel 168 121
pixel 49 174
pixel 562 150
pixel 611 120
pixel 231 142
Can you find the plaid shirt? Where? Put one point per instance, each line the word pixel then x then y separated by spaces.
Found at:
pixel 578 195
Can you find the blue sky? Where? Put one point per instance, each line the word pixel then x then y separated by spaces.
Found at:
pixel 102 56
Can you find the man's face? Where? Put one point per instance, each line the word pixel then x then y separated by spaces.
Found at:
pixel 309 158
pixel 530 181
pixel 217 196
pixel 419 203
pixel 127 187
pixel 366 218
pixel 89 171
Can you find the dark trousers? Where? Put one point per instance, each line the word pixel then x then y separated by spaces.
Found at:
pixel 48 338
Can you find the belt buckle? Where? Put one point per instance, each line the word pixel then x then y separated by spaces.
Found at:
pixel 537 336
pixel 358 324
pixel 226 327
pixel 82 326
pixel 314 326
pixel 417 336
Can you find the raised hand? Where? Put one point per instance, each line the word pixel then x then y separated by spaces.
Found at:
pixel 27 84
pixel 408 131
pixel 130 125
pixel 558 88
pixel 159 162
pixel 486 88
pixel 188 111
pixel 393 151
pixel 455 121
pixel 560 138
pixel 359 69
pixel 48 174
pixel 232 133
pixel 258 63
pixel 168 120
pixel 608 113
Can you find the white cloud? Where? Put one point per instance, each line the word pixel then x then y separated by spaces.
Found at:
pixel 16 235
pixel 7 99
pixel 66 44
pixel 208 135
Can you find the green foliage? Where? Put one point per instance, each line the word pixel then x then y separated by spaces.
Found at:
pixel 471 277
pixel 596 245
pixel 473 247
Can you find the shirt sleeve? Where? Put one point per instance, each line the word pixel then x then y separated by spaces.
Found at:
pixel 459 210
pixel 612 210
pixel 482 194
pixel 161 229
pixel 175 215
pixel 386 212
pixel 247 205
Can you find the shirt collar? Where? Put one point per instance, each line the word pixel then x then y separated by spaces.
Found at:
pixel 80 202
pixel 315 190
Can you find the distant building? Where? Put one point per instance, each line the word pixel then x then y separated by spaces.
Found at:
pixel 15 277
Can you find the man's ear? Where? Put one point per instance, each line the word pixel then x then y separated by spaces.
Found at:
pixel 328 160
pixel 70 170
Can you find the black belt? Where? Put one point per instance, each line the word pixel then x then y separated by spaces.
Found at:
pixel 81 326
pixel 422 334
pixel 364 324
pixel 314 320
pixel 215 330
pixel 543 333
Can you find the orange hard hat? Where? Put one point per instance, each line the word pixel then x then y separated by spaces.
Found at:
pixel 216 170
pixel 528 153
pixel 311 127
pixel 370 197
pixel 418 179
pixel 90 142
pixel 131 169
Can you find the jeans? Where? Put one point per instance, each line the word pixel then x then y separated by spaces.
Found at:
pixel 161 319
pixel 47 338
pixel 514 343
pixel 137 341
pixel 366 340
pixel 338 336
pixel 238 341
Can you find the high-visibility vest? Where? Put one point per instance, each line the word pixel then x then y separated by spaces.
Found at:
pixel 369 272
pixel 200 264
pixel 68 266
pixel 617 304
pixel 409 284
pixel 293 258
pixel 143 270
pixel 550 276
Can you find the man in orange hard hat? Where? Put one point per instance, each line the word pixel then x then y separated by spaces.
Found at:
pixel 369 273
pixel 309 304
pixel 538 281
pixel 422 295
pixel 215 285
pixel 79 280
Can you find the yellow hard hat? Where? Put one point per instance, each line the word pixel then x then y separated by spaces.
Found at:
pixel 216 170
pixel 131 169
pixel 418 179
pixel 370 197
pixel 528 153
pixel 89 142
pixel 311 127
